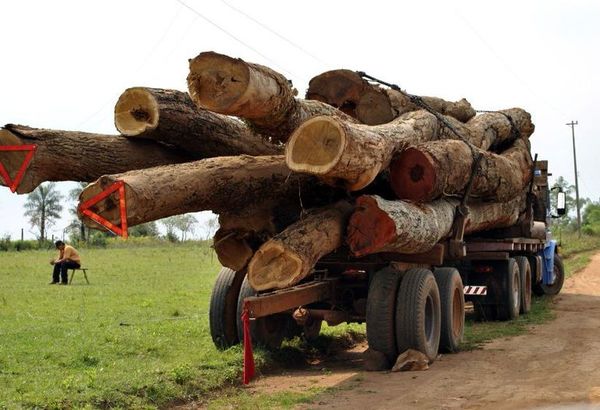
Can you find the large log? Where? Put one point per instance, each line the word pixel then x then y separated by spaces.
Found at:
pixel 254 92
pixel 379 225
pixel 290 256
pixel 432 169
pixel 170 116
pixel 78 156
pixel 221 184
pixel 240 234
pixel 371 104
pixel 353 154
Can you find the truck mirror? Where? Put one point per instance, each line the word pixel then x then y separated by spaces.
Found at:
pixel 561 206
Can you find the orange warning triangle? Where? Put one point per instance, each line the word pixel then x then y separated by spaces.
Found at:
pixel 119 230
pixel 13 184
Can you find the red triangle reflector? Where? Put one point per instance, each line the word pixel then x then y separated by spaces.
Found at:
pixel 13 184
pixel 118 230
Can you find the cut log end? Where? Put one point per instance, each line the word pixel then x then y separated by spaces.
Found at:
pixel 374 108
pixel 108 208
pixel 136 112
pixel 412 175
pixel 232 251
pixel 369 228
pixel 316 146
pixel 271 266
pixel 216 82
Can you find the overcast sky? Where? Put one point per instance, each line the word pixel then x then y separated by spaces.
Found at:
pixel 64 63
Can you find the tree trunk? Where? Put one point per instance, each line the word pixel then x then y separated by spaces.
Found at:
pixel 170 116
pixel 432 169
pixel 353 154
pixel 78 156
pixel 497 130
pixel 222 184
pixel 379 225
pixel 372 104
pixel 290 256
pixel 256 93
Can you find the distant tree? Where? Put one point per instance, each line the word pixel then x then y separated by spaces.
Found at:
pixel 43 207
pixel 77 227
pixel 591 214
pixel 568 221
pixel 211 227
pixel 147 229
pixel 185 223
pixel 170 225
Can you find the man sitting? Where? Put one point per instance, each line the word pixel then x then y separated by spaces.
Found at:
pixel 68 258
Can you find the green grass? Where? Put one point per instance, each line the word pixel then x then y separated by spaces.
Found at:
pixel 136 337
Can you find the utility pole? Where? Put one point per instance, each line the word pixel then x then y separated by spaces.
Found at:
pixel 572 124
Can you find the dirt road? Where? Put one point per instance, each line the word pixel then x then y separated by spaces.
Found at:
pixel 555 366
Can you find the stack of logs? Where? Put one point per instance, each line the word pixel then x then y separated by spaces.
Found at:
pixel 354 166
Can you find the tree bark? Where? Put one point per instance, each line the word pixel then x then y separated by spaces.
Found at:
pixel 78 156
pixel 256 93
pixel 379 225
pixel 353 154
pixel 170 117
pixel 290 256
pixel 222 184
pixel 371 104
pixel 432 169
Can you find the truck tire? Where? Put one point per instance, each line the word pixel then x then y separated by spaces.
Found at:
pixel 268 331
pixel 510 304
pixel 223 308
pixel 559 271
pixel 452 300
pixel 525 277
pixel 381 311
pixel 418 313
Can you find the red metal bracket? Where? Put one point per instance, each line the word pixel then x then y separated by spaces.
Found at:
pixel 13 184
pixel 84 209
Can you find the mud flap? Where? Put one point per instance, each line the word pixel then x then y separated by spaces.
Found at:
pixel 548 276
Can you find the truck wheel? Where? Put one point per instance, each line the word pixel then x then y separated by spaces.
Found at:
pixel 525 277
pixel 452 300
pixel 536 287
pixel 268 331
pixel 559 272
pixel 418 313
pixel 511 292
pixel 380 317
pixel 223 308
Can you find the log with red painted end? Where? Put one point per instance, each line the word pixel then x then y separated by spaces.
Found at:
pixel 432 169
pixel 222 184
pixel 291 255
pixel 260 95
pixel 78 156
pixel 379 225
pixel 171 117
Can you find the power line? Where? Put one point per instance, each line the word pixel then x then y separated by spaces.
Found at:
pixel 242 42
pixel 270 30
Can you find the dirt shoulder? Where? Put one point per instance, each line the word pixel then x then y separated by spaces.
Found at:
pixel 554 364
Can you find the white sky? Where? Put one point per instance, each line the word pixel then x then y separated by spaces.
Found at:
pixel 64 63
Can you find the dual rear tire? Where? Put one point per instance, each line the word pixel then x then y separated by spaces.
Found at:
pixel 416 310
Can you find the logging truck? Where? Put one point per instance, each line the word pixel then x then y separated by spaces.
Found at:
pixel 414 301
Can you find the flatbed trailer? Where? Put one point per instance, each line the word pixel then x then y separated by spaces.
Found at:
pixel 408 301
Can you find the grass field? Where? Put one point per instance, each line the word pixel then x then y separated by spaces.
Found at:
pixel 138 336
